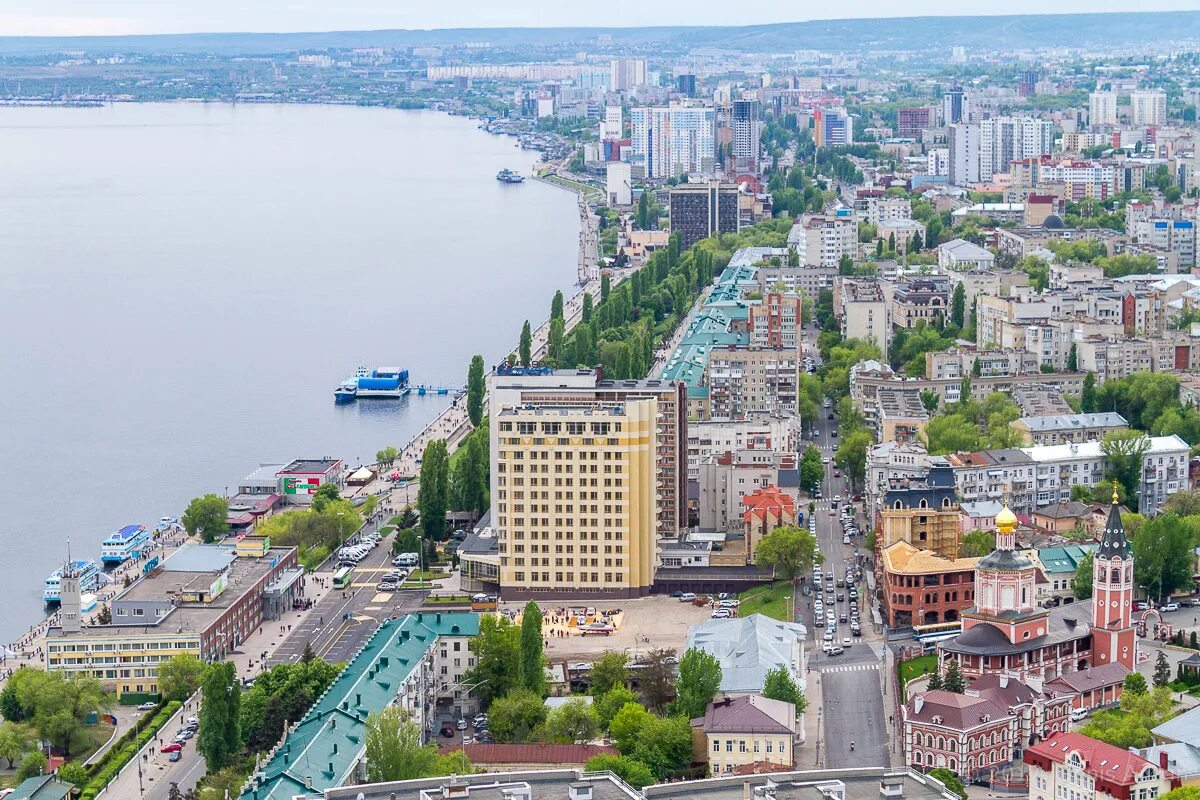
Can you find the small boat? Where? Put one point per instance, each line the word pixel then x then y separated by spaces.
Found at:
pixel 88 573
pixel 124 544
pixel 346 392
pixel 508 176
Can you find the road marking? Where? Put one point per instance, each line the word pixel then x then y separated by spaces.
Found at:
pixel 850 668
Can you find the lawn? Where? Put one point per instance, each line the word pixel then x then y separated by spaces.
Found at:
pixel 915 668
pixel 770 600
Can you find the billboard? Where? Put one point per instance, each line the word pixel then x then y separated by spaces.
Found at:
pixel 301 484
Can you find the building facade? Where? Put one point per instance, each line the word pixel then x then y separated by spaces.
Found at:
pixel 674 140
pixel 700 210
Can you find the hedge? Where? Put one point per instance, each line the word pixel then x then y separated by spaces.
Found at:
pixel 125 750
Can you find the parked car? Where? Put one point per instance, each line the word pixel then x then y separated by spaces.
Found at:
pixel 722 613
pixel 447 730
pixel 175 756
pixel 1171 607
pixel 677 594
pixel 687 597
pixel 147 706
pixel 172 747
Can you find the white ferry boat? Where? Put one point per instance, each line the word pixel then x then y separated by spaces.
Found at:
pixel 124 544
pixel 89 579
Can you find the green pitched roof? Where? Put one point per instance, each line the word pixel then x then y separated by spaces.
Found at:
pixel 326 743
pixel 41 787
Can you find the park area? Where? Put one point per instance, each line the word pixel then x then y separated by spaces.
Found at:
pixel 770 600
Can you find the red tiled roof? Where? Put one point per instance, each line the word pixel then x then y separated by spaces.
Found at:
pixel 769 500
pixel 531 753
pixel 1100 760
pixel 958 712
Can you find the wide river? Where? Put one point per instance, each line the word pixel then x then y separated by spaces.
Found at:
pixel 182 286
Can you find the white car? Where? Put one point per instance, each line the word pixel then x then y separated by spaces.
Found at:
pixel 847 641
pixel 687 597
pixel 1171 607
pixel 828 636
pixel 722 613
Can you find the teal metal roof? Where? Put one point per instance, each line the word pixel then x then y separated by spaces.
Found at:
pixel 1063 559
pixel 42 787
pixel 326 744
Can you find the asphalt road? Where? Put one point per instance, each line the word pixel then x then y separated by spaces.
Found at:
pixel 851 704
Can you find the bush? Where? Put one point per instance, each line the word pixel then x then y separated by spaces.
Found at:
pixel 125 750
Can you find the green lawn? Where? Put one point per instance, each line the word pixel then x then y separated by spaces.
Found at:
pixel 770 600
pixel 916 667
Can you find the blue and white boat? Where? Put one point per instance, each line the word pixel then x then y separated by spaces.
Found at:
pixel 89 579
pixel 124 544
pixel 381 382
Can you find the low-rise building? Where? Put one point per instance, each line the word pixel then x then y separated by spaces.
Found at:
pixel 1068 428
pixel 1076 766
pixel 960 255
pixel 748 648
pixel 1057 567
pixel 727 479
pixel 299 480
pixel 739 731
pixel 919 587
pixel 1064 517
pixel 765 510
pixel 900 415
pixel 891 460
pixel 920 298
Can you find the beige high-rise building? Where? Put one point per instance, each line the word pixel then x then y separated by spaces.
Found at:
pixel 1148 107
pixel 573 498
pixel 1102 108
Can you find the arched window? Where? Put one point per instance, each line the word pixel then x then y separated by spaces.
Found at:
pixel 897 506
pixel 924 503
pixel 945 502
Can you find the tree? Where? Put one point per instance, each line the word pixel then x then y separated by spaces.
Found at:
pixel 606 286
pixel 496 650
pixel 517 716
pixel 387 456
pixel 1135 683
pixel 664 745
pixel 173 792
pixel 308 655
pixel 953 681
pixel 812 470
pixel 556 305
pixel 554 341
pixel 643 211
pixel 950 781
pixel 1124 451
pixel 475 390
pixel 778 685
pixel 1073 359
pixel 657 678
pixel 1088 400
pixel 104 615
pixel 14 741
pixel 845 265
pixel 930 400
pixel 935 681
pixel 433 494
pixel 851 455
pixel 1163 555
pixel 964 389
pixel 630 770
pixel 394 749
pixel 612 701
pixel 976 544
pixel 699 679
pixel 206 516
pixel 32 765
pixel 73 773
pixel 958 305
pixel 220 732
pixel 609 671
pixel 526 345
pixel 1162 670
pixel 586 311
pixel 951 433
pixel 179 677
pixel 574 722
pixel 1183 793
pixel 532 666
pixel 1081 583
pixel 789 551
pixel 627 725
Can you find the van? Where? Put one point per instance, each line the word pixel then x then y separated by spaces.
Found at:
pixel 405 560
pixel 687 597
pixel 1079 714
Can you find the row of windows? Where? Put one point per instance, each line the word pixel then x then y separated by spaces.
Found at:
pixel 752 746
pixel 563 455
pixel 544 577
pixel 519 522
pixel 571 428
pixel 563 469
pixel 545 548
pixel 109 647
pixel 519 561
pixel 609 508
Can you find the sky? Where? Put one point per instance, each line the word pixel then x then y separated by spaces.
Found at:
pixel 116 17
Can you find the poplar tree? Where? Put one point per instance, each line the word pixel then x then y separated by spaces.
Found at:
pixel 475 390
pixel 531 665
pixel 526 346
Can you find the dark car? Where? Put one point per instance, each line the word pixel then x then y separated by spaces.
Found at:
pixel 448 730
pixel 175 756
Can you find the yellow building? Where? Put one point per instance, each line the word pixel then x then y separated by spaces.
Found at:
pixel 573 498
pixel 740 731
pixel 123 660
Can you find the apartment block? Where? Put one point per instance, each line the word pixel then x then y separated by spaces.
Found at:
pixel 727 479
pixel 742 380
pixel 832 126
pixel 1068 428
pixel 822 239
pixel 1006 476
pixel 901 416
pixel 700 210
pixel 775 321
pixel 920 298
pixel 1147 107
pixel 778 432
pixel 673 140
pixel 864 311
pixel 1102 108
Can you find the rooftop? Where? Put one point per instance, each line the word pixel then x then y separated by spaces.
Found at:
pixel 748 648
pixel 1061 422
pixel 1159 445
pixel 310 466
pixel 905 558
pixel 750 714
pixel 1101 760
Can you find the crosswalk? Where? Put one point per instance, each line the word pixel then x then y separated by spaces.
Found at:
pixel 850 668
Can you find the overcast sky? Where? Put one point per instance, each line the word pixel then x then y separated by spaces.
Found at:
pixel 95 17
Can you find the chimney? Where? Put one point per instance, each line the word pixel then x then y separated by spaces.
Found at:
pixel 1162 758
pixel 1003 681
pixel 918 703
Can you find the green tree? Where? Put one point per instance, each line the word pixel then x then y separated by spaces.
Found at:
pixel 325 494
pixel 812 470
pixel 778 685
pixel 657 678
pixel 1081 583
pixel 73 773
pixel 608 704
pixel 851 455
pixel 556 305
pixel 964 390
pixel 664 745
pixel 220 732
pixel 1162 670
pixel 476 388
pixel 934 681
pixel 207 516
pixel 1124 451
pixel 32 765
pixel 1183 793
pixel 1135 683
pixel 699 679
pixel 643 211
pixel 609 671
pixel 789 551
pixel 1163 555
pixel 630 770
pixel 496 650
pixel 517 717
pixel 586 311
pixel 179 677
pixel 526 345
pixel 14 742
pixel 387 456
pixel 532 666
pixel 976 544
pixel 845 265
pixel 1088 400
pixel 1073 359
pixel 554 341
pixel 951 433
pixel 953 681
pixel 627 725
pixel 433 494
pixel 605 287
pixel 394 747
pixel 574 722
pixel 950 781
pixel 958 305
pixel 930 400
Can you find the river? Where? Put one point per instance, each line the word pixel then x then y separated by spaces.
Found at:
pixel 183 285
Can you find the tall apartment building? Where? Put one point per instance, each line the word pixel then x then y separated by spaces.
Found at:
pixel 911 121
pixel 626 73
pixel 937 161
pixel 743 380
pixel 1177 236
pixel 573 501
pixel 1102 108
pixel 700 210
pixel 822 239
pixel 956 106
pixel 673 140
pixel 613 124
pixel 746 121
pixel 1003 140
pixel 512 387
pixel 963 139
pixel 685 84
pixel 864 312
pixel 1148 107
pixel 832 126
pixel 775 322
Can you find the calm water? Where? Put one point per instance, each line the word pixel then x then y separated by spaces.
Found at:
pixel 182 286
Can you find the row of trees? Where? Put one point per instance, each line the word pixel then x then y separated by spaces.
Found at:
pixel 52 705
pixel 971 424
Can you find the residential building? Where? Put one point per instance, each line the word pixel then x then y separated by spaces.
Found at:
pixel 746 122
pixel 901 230
pixel 963 139
pixel 747 648
pixel 995 475
pixel 993 311
pixel 619 183
pixel 922 511
pixel 920 298
pixel 728 478
pixel 962 256
pixel 626 74
pixel 506 757
pixel 739 731
pixel 901 416
pixel 1068 428
pixel 822 239
pixel 911 121
pixel 919 587
pixel 43 787
pixel 832 126
pixel 775 321
pixel 1147 107
pixel 204 600
pixel 985 728
pixel 937 162
pixel 889 461
pixel 1059 564
pixel 956 106
pixel 864 311
pixel 673 140
pixel 700 210
pixel 778 432
pixel 746 379
pixel 1072 765
pixel 765 510
pixel 1102 108
pixel 874 207
pixel 1006 139
pixel 809 280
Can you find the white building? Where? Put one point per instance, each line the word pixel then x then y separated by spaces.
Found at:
pixel 962 256
pixel 822 239
pixel 613 124
pixel 1102 108
pixel 1148 107
pixel 626 73
pixel 674 140
pixel 964 153
pixel 1003 140
pixel 619 183
pixel 760 430
pixel 749 648
pixel 937 162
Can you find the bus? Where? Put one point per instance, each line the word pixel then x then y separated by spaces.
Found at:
pixel 929 635
pixel 341 578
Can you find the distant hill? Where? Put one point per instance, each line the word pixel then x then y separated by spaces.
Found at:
pixel 908 33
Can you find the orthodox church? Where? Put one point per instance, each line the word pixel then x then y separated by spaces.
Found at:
pixel 1088 646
